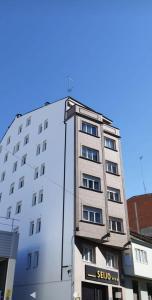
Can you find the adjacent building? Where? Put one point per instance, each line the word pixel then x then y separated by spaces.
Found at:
pixel 140 214
pixel 62 179
pixel 137 266
pixel 8 252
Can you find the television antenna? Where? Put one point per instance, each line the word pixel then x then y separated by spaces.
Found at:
pixel 142 173
pixel 69 83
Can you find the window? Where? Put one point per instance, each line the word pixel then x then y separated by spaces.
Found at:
pixel 31 231
pixel 15 166
pixel 29 260
pixel 21 182
pixel 40 200
pixel 113 194
pixel 45 124
pixel 89 153
pixel 110 143
pixel 18 207
pixel 8 140
pixel 6 157
pixel 28 121
pixel 111 260
pixel 44 145
pixel 16 148
pixel 36 173
pixel 34 198
pixel 0 197
pixel 3 176
pixel 91 214
pixel 12 187
pixel 23 160
pixel 40 128
pixel 26 139
pixel 141 256
pixel 8 213
pixel 115 224
pixel 89 128
pixel 42 171
pixel 1 147
pixel 38 225
pixel 20 129
pixel 88 254
pixel 111 167
pixel 36 259
pixel 91 182
pixel 38 149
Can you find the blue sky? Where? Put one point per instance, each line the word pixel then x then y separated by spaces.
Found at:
pixel 105 46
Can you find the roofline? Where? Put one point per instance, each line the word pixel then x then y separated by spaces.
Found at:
pixel 141 237
pixel 136 196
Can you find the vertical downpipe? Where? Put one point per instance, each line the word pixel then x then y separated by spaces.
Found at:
pixel 63 206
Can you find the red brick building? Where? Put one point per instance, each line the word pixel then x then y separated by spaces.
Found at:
pixel 140 214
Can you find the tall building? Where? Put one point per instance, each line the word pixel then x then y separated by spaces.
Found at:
pixel 140 214
pixel 62 180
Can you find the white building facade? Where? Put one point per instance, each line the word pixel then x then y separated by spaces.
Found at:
pixel 62 181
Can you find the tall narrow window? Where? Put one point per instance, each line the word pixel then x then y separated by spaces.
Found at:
pixel 38 225
pixel 31 231
pixel 38 149
pixel 8 213
pixel 15 166
pixel 42 171
pixel 18 207
pixel 111 260
pixel 1 147
pixel 34 199
pixel 26 139
pixel 40 199
pixel 3 176
pixel 36 173
pixel 28 121
pixel 20 129
pixel 12 187
pixel 8 140
pixel 29 261
pixel 23 160
pixel 45 124
pixel 6 157
pixel 0 197
pixel 44 145
pixel 40 128
pixel 36 259
pixel 21 182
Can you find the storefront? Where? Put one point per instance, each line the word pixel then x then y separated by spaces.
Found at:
pixel 99 290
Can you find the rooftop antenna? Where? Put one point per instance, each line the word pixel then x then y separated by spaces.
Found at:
pixel 142 173
pixel 69 84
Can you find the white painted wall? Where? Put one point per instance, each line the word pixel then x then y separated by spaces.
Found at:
pixel 45 279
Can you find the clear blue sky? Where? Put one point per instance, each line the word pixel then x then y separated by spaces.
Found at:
pixel 105 46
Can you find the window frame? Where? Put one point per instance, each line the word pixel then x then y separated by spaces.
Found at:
pixel 111 194
pixel 111 145
pixel 85 128
pixel 89 180
pixel 90 254
pixel 116 220
pixel 91 213
pixel 112 165
pixel 90 153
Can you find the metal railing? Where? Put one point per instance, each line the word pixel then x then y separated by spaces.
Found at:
pixel 8 224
